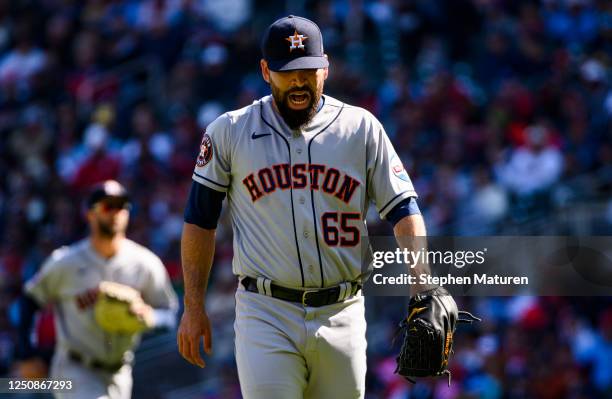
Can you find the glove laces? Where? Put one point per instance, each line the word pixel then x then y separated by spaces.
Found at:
pixel 471 318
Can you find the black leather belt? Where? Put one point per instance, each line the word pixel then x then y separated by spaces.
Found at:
pixel 308 297
pixel 94 364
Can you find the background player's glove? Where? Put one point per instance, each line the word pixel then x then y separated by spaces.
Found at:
pixel 428 334
pixel 119 309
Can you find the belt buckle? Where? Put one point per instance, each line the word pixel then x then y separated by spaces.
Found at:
pixel 305 296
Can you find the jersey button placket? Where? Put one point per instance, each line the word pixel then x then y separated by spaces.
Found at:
pixel 299 154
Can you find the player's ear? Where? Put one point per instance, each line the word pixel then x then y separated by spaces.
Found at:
pixel 265 71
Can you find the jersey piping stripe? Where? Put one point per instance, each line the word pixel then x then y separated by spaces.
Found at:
pixel 297 245
pixel 382 210
pixel 314 212
pixel 210 181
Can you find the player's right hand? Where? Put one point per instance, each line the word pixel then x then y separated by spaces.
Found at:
pixel 194 324
pixel 34 367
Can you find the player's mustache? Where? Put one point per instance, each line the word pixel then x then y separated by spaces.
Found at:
pixel 307 89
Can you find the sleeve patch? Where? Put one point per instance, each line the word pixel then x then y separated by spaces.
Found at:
pixel 398 169
pixel 206 151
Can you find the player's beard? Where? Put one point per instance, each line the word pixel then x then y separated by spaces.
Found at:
pixel 108 229
pixel 296 118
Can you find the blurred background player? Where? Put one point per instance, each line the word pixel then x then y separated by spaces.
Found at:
pixel 99 363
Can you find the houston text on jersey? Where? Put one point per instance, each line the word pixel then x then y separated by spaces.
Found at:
pixel 284 176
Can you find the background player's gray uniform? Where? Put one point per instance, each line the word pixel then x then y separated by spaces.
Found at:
pixel 66 280
pixel 298 201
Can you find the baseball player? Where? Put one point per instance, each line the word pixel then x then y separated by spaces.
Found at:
pixel 299 170
pixel 91 349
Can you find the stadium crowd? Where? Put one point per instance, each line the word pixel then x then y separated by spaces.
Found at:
pixel 501 111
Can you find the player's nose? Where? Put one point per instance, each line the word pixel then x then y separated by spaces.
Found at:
pixel 300 78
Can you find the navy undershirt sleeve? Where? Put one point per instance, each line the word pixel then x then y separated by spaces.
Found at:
pixel 203 206
pixel 404 208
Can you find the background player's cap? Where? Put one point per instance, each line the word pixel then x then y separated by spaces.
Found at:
pixel 293 43
pixel 107 189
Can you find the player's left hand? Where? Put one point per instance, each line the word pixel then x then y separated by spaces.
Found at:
pixel 194 324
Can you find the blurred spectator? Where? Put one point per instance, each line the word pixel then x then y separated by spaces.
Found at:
pixel 530 172
pixel 534 167
pixel 485 206
pixel 595 348
pixel 19 65
pixel 31 142
pixel 99 164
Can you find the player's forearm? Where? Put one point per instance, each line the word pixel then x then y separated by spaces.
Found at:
pixel 411 234
pixel 197 252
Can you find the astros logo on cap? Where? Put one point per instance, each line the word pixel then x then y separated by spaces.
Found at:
pixel 296 41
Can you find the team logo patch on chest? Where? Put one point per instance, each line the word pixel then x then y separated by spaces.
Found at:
pixel 206 151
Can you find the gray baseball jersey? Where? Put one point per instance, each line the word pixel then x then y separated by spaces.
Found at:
pixel 67 279
pixel 298 199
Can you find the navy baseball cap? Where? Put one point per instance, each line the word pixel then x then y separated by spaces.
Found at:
pixel 293 43
pixel 110 189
